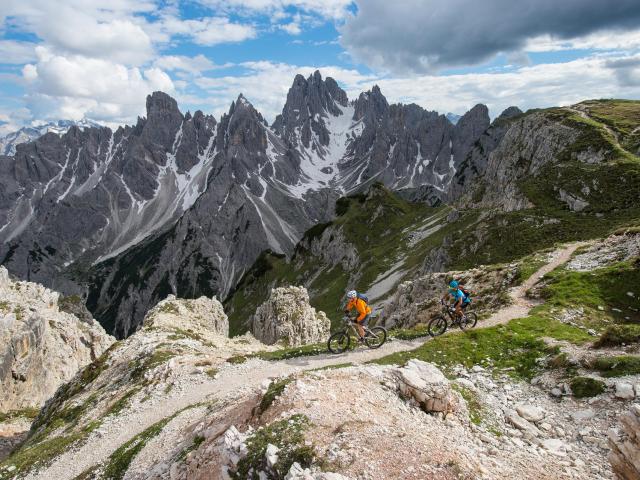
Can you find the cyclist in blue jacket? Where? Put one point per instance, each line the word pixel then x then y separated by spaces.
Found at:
pixel 459 295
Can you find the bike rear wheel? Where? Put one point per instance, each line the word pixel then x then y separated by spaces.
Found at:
pixel 375 337
pixel 339 342
pixel 437 326
pixel 468 321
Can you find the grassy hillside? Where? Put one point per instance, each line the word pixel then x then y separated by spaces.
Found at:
pixel 393 238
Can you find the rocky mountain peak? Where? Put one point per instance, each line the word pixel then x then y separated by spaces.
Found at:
pixel 478 115
pixel 308 101
pixel 510 112
pixel 371 106
pixel 163 119
pixel 471 125
pixel 159 104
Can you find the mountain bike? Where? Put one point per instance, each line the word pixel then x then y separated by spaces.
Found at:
pixel 374 337
pixel 438 325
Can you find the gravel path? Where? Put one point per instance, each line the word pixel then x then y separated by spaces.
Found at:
pixel 234 381
pixel 521 305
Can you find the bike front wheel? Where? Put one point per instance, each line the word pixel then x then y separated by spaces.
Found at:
pixel 468 321
pixel 339 342
pixel 376 337
pixel 437 326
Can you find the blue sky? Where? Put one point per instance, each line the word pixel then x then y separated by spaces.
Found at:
pixel 91 58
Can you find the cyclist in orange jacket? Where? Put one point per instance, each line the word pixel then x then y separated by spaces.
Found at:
pixel 360 303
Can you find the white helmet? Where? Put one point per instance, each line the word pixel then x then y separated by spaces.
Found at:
pixel 352 294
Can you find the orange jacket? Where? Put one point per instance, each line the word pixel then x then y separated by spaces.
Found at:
pixel 361 307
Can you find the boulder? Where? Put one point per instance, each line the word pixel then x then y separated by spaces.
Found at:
pixel 556 447
pixel 624 391
pixel 203 315
pixel 521 424
pixel 427 385
pixel 288 317
pixel 41 347
pixel 625 445
pixel 530 412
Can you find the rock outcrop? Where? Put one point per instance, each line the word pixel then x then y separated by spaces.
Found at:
pixel 202 315
pixel 625 446
pixel 287 317
pixel 616 248
pixel 41 347
pixel 428 386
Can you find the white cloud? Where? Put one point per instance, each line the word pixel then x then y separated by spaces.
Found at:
pixel 17 53
pixel 292 28
pixel 194 65
pixel 76 86
pixel 208 31
pixel 607 40
pixel 90 28
pixel 100 59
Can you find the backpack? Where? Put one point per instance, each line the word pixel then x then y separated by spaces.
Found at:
pixel 364 298
pixel 466 291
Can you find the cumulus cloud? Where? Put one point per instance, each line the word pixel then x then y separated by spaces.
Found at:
pixel 76 86
pixel 292 28
pixel 194 65
pixel 86 27
pixel 100 60
pixel 627 70
pixel 208 31
pixel 17 53
pixel 422 36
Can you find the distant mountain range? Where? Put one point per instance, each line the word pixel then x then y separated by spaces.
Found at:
pixel 9 142
pixel 453 117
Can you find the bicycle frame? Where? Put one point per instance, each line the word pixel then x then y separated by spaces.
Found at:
pixel 350 325
pixel 451 313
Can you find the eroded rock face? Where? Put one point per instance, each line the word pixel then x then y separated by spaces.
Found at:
pixel 427 385
pixel 41 347
pixel 202 314
pixel 625 446
pixel 288 317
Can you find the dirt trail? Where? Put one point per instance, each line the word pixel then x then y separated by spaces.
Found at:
pixel 234 381
pixel 521 305
pixel 606 127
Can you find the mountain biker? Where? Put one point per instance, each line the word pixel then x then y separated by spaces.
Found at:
pixel 459 295
pixel 359 302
